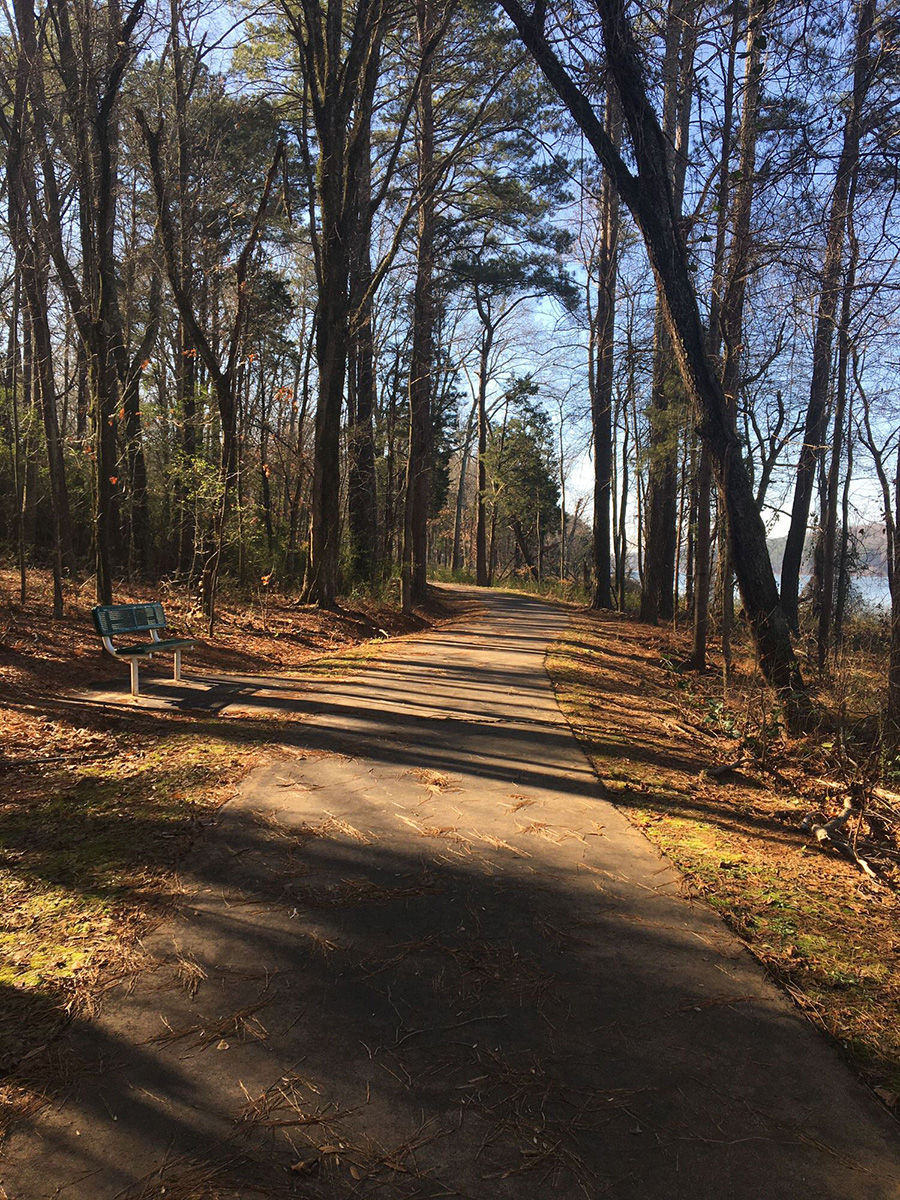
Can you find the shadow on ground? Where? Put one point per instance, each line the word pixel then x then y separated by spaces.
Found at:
pixel 422 957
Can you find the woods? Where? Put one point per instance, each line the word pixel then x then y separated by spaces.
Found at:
pixel 339 294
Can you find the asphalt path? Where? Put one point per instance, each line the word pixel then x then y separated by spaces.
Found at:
pixel 420 956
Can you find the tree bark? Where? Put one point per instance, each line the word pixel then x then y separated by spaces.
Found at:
pixel 339 50
pixel 727 335
pixel 829 528
pixel 487 337
pixel 414 582
pixel 703 539
pixel 602 373
pixel 456 559
pixel 666 401
pixel 362 508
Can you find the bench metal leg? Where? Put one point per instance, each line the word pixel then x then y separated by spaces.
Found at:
pixel 135 679
pixel 177 671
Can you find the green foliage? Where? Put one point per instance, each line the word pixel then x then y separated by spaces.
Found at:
pixel 522 465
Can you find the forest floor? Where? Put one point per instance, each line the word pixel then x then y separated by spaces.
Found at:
pixel 714 784
pixel 99 803
pixel 420 955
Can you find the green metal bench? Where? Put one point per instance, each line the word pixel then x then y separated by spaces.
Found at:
pixel 122 620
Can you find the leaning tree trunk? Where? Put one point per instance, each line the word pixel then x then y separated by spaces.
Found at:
pixel 649 198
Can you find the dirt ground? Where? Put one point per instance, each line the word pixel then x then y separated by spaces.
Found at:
pixel 101 804
pixel 422 955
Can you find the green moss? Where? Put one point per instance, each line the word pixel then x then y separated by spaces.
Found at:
pixel 85 857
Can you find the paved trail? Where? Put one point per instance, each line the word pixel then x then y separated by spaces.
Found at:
pixel 421 957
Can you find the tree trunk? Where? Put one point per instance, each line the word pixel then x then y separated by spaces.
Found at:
pixel 731 313
pixel 487 334
pixel 893 705
pixel 11 382
pixel 843 578
pixel 657 595
pixel 817 411
pixel 34 285
pixel 703 539
pixel 829 525
pixel 134 436
pixel 332 332
pixel 414 582
pixel 456 560
pixel 362 507
pixel 32 277
pixel 527 558
pixel 602 372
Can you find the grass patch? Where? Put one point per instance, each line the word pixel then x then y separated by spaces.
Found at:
pixel 89 853
pixel 821 928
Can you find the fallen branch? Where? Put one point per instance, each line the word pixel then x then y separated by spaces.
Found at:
pixel 726 768
pixel 830 833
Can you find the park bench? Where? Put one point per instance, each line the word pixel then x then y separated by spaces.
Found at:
pixel 118 620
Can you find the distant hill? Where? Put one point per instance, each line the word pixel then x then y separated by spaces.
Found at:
pixel 870 539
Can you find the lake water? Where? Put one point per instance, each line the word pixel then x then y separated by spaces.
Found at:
pixel 874 592
pixel 871 591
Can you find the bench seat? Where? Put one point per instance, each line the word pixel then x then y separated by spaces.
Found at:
pixel 146 648
pixel 115 620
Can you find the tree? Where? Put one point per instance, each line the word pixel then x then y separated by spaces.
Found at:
pixel 649 197
pixel 224 375
pixel 665 412
pixel 726 337
pixel 702 541
pixel 340 58
pixel 601 368
pixel 90 55
pixel 829 294
pixel 522 466
pixel 421 368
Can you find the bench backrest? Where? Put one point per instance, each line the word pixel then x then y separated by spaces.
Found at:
pixel 113 619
